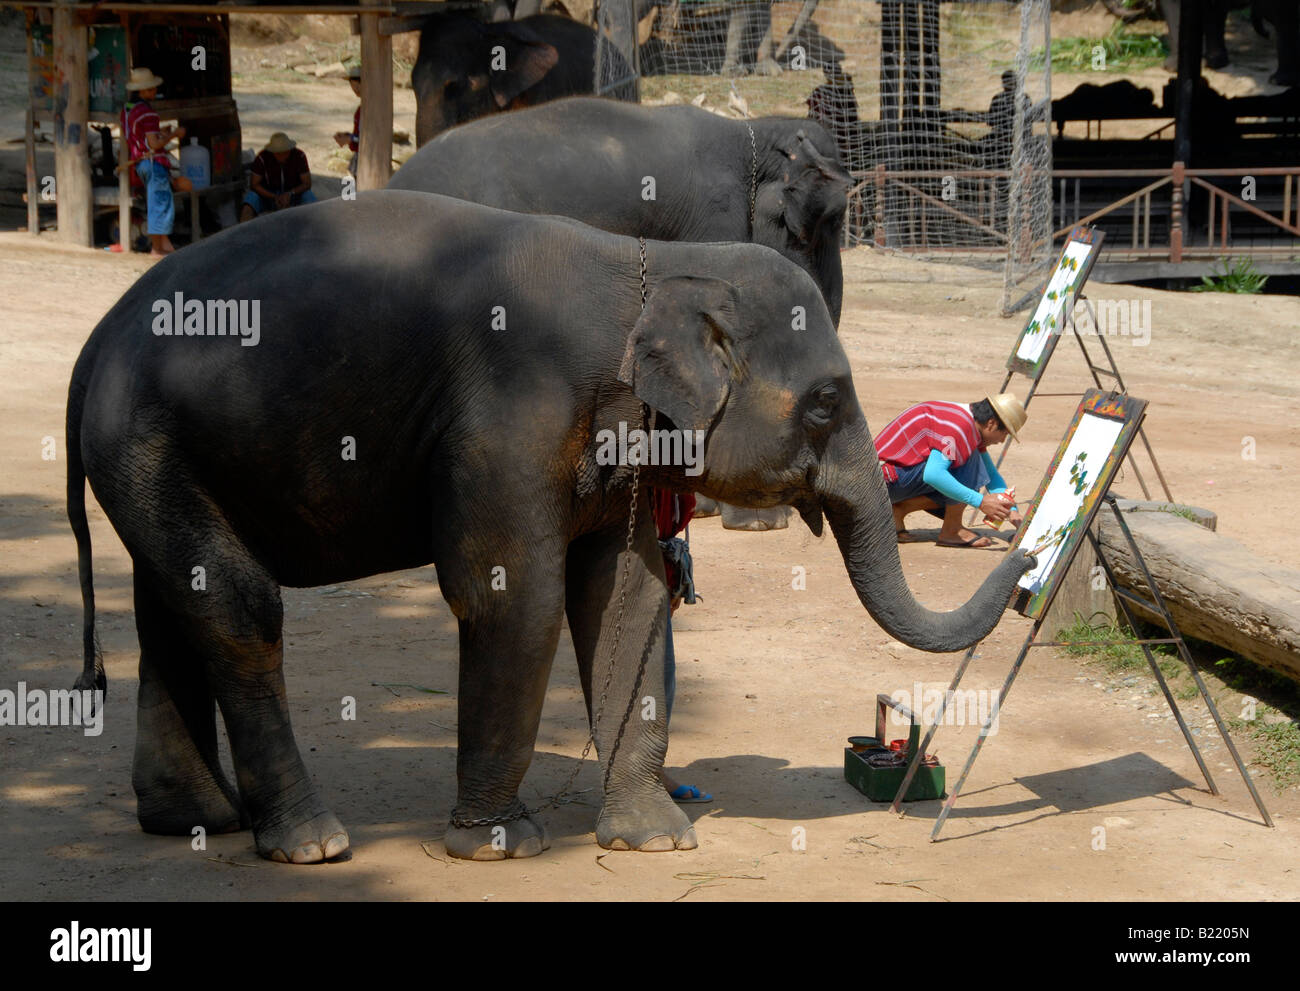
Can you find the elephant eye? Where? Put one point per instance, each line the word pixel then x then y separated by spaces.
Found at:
pixel 824 402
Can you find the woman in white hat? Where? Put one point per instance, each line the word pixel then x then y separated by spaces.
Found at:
pixel 146 138
pixel 934 457
pixel 279 178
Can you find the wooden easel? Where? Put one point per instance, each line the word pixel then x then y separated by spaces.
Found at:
pixel 1039 606
pixel 1110 370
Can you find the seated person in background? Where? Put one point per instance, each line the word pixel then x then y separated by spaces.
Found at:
pixel 934 457
pixel 280 178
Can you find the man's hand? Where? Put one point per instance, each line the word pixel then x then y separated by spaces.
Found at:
pixel 994 508
pixel 341 138
pixel 282 201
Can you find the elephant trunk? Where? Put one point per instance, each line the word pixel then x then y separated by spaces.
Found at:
pixel 856 503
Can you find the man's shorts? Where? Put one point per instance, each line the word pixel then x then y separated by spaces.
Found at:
pixel 911 482
pixel 262 204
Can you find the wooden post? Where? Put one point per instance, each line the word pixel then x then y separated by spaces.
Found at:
pixel 375 157
pixel 911 65
pixel 33 207
pixel 124 191
pixel 1176 214
pixel 1189 74
pixel 124 160
pixel 29 133
pixel 72 189
pixel 890 18
pixel 930 45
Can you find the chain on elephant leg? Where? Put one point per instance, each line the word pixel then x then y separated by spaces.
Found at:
pixel 514 833
pixel 637 813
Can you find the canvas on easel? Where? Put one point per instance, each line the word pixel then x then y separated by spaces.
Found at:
pixel 1095 442
pixel 1038 339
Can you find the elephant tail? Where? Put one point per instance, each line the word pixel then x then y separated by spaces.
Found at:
pixel 92 673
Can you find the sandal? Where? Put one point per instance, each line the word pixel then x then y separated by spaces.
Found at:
pixel 975 541
pixel 905 536
pixel 688 794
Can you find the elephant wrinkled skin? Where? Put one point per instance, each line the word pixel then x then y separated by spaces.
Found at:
pixel 474 447
pixel 669 173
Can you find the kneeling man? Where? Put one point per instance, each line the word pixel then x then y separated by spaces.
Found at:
pixel 934 457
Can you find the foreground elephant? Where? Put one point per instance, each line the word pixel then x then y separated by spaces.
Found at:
pixel 669 173
pixel 468 69
pixel 439 396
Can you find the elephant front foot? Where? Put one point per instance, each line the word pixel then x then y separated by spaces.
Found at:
pixel 320 837
pixel 767 67
pixel 654 824
pixel 522 837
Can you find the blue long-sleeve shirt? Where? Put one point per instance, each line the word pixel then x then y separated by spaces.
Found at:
pixel 937 476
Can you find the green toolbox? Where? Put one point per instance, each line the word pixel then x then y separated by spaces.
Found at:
pixel 877 770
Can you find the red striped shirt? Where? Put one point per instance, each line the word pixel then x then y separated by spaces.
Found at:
pixel 939 426
pixel 139 120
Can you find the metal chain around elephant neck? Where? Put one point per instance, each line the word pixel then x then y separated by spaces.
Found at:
pixel 517 808
pixel 753 176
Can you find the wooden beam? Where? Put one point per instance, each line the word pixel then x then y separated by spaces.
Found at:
pixel 71 102
pixel 137 7
pixel 375 156
pixel 1216 589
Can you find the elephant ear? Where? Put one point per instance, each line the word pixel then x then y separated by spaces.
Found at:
pixel 528 58
pixel 816 189
pixel 680 356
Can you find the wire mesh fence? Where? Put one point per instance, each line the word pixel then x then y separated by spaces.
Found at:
pixel 940 110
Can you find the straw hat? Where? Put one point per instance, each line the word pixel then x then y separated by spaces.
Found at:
pixel 142 78
pixel 279 142
pixel 1009 411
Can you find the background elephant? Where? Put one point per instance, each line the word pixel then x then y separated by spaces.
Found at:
pixel 1279 19
pixel 475 446
pixel 467 68
pixel 670 173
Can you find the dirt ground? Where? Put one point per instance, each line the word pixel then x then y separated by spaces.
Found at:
pixel 771 680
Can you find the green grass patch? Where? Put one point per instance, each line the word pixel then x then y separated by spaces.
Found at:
pixel 1240 276
pixel 1115 656
pixel 1121 48
pixel 1272 699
